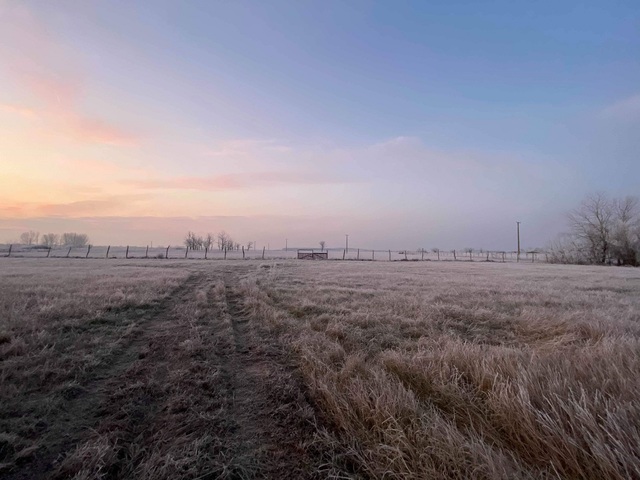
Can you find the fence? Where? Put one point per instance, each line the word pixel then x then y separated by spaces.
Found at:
pixel 176 253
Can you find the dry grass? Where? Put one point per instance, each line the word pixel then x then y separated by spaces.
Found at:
pixel 142 369
pixel 64 324
pixel 465 371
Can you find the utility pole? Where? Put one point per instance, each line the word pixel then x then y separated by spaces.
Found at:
pixel 518 256
pixel 347 242
pixel 286 244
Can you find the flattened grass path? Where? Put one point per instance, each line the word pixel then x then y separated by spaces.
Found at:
pixel 192 394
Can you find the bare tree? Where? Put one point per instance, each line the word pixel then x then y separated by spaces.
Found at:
pixel 50 239
pixel 602 230
pixel 625 238
pixel 29 238
pixel 208 241
pixel 223 240
pixel 72 239
pixel 322 244
pixel 249 245
pixel 591 224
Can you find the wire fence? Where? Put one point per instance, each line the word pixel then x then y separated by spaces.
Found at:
pixel 180 252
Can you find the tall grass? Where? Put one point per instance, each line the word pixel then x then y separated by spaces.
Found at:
pixel 465 371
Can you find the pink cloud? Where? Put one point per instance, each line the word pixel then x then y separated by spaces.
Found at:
pixel 239 181
pixel 51 75
pixel 98 131
pixel 110 205
pixel 18 110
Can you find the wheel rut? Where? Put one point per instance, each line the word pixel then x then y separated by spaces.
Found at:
pixel 194 391
pixel 272 435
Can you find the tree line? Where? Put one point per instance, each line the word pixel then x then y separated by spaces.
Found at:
pixel 222 241
pixel 602 230
pixel 69 239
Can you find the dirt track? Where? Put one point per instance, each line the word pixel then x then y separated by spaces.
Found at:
pixel 193 392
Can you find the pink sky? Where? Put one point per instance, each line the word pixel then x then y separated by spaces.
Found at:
pixel 101 132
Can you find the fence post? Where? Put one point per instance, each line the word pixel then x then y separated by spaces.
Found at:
pixel 454 256
pixel 344 252
pixel 423 254
pixel 225 253
pixel 470 257
pixel 358 257
pixel 487 256
pixel 243 252
pixel 502 257
pixel 405 255
pixel 126 254
pixel 438 254
pixel 186 252
pixel 263 252
pixel 373 254
pixel 146 254
pixel 389 255
pixel 206 250
pixel 108 248
pixel 533 257
pixel 9 254
pixel 88 250
pixel 49 252
pixel 166 255
pixel 69 252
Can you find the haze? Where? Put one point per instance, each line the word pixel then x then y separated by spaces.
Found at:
pixel 404 125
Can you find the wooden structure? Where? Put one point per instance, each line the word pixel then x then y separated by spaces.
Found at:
pixel 312 255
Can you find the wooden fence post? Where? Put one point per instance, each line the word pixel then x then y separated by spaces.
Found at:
pixel 533 257
pixel 49 252
pixel 373 254
pixel 389 255
pixel 405 255
pixel 69 252
pixel 423 254
pixel 344 252
pixel 146 254
pixel 454 256
pixel 263 252
pixel 9 254
pixel 166 254
pixel 470 258
pixel 243 252
pixel 186 252
pixel 225 253
pixel 108 248
pixel 206 250
pixel 438 254
pixel 487 256
pixel 88 250
pixel 502 257
pixel 358 257
pixel 126 254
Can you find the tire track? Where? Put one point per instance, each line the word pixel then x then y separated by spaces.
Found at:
pixel 269 436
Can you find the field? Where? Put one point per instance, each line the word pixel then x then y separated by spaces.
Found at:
pixel 159 369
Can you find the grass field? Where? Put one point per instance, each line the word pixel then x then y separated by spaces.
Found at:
pixel 286 369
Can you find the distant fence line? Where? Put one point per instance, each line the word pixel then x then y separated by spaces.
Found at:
pixel 179 252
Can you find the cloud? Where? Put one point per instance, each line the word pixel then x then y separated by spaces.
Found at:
pixel 108 205
pixel 99 131
pixel 50 77
pixel 19 110
pixel 625 109
pixel 236 181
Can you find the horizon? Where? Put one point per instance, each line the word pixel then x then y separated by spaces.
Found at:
pixel 403 125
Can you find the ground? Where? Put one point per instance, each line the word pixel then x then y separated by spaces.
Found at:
pixel 290 369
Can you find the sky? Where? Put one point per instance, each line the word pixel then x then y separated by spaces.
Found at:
pixel 402 124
